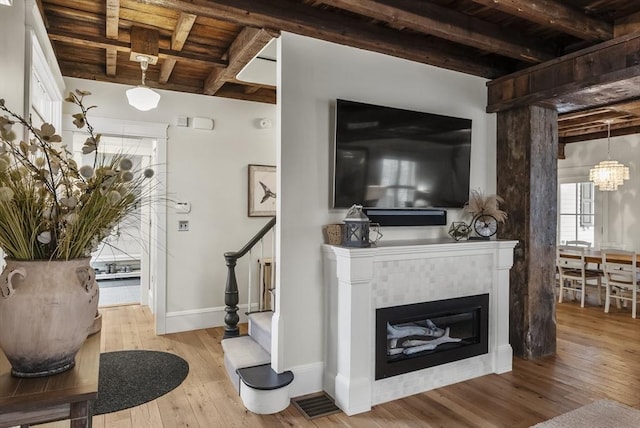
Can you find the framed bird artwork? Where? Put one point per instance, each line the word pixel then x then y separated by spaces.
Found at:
pixel 262 191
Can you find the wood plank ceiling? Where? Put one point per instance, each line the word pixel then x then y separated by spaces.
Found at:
pixel 199 46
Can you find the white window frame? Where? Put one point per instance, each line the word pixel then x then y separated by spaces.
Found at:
pixel 44 85
pixel 599 204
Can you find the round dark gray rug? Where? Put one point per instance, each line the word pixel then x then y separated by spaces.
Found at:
pixel 130 378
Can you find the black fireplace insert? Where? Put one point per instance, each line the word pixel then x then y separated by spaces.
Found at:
pixel 421 335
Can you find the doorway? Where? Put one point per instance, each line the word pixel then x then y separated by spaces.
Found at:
pixel 122 259
pixel 147 140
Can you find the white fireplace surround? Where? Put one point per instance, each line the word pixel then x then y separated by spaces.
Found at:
pixel 361 280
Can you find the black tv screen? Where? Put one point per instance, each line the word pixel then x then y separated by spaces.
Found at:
pixel 392 158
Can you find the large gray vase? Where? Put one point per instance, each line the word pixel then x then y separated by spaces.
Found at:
pixel 46 311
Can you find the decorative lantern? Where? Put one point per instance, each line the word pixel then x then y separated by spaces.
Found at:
pixel 356 228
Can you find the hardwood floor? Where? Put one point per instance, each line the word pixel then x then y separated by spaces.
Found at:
pixel 598 357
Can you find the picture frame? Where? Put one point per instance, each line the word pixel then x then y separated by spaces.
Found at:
pixel 262 191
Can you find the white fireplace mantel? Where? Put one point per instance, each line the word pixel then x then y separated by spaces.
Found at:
pixel 361 280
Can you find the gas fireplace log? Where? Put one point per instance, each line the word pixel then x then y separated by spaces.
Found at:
pixel 413 346
pixel 404 330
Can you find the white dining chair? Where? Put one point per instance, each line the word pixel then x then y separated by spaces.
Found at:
pixel 621 278
pixel 573 274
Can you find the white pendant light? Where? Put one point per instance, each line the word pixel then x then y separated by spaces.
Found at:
pixel 142 97
pixel 609 174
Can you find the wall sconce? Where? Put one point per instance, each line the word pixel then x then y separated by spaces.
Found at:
pixel 142 97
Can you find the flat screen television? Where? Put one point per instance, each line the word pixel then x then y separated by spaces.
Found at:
pixel 391 158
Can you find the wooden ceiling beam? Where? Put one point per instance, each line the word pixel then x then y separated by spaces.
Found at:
pixel 602 74
pixel 598 119
pixel 166 68
pixel 627 25
pixel 111 61
pixel 182 30
pixel 93 72
pixel 235 91
pixel 594 133
pixel 299 18
pixel 561 147
pixel 441 22
pixel 554 15
pixel 113 18
pixel 112 25
pixel 104 43
pixel 144 42
pixel 251 89
pixel 178 39
pixel 244 48
pixel 599 115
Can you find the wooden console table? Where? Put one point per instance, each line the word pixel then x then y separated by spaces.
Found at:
pixel 66 395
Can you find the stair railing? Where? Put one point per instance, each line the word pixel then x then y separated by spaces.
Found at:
pixel 231 296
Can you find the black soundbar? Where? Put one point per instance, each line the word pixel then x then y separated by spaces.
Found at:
pixel 407 217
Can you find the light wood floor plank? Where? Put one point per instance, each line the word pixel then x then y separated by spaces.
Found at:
pixel 598 357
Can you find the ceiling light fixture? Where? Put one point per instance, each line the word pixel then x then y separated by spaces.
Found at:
pixel 142 97
pixel 608 175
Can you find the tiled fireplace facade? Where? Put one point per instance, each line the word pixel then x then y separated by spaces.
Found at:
pixel 362 281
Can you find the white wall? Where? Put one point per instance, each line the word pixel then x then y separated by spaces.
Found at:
pixel 617 212
pixel 312 74
pixel 12 55
pixel 209 169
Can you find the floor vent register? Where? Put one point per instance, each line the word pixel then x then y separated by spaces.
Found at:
pixel 315 405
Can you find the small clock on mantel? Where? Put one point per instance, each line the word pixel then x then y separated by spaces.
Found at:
pixel 485 225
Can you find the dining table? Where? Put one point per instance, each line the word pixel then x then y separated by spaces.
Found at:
pixel 595 256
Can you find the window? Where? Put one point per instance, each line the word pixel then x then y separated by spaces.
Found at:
pixel 45 90
pixel 40 101
pixel 576 219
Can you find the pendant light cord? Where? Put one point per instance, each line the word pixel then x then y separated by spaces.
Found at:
pixel 608 137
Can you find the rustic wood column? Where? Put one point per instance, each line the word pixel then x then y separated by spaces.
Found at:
pixel 527 146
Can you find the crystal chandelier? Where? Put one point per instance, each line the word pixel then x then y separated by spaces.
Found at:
pixel 142 97
pixel 609 174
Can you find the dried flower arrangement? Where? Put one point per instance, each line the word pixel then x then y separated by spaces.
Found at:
pixel 479 204
pixel 49 207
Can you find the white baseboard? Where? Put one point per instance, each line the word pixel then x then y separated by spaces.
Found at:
pixel 307 379
pixel 201 318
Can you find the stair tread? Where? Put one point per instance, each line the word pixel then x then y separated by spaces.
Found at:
pixel 262 319
pixel 263 377
pixel 243 352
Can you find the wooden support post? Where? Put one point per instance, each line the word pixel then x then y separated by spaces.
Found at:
pixel 527 146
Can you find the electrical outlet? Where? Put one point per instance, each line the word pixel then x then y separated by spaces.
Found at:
pixel 183 225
